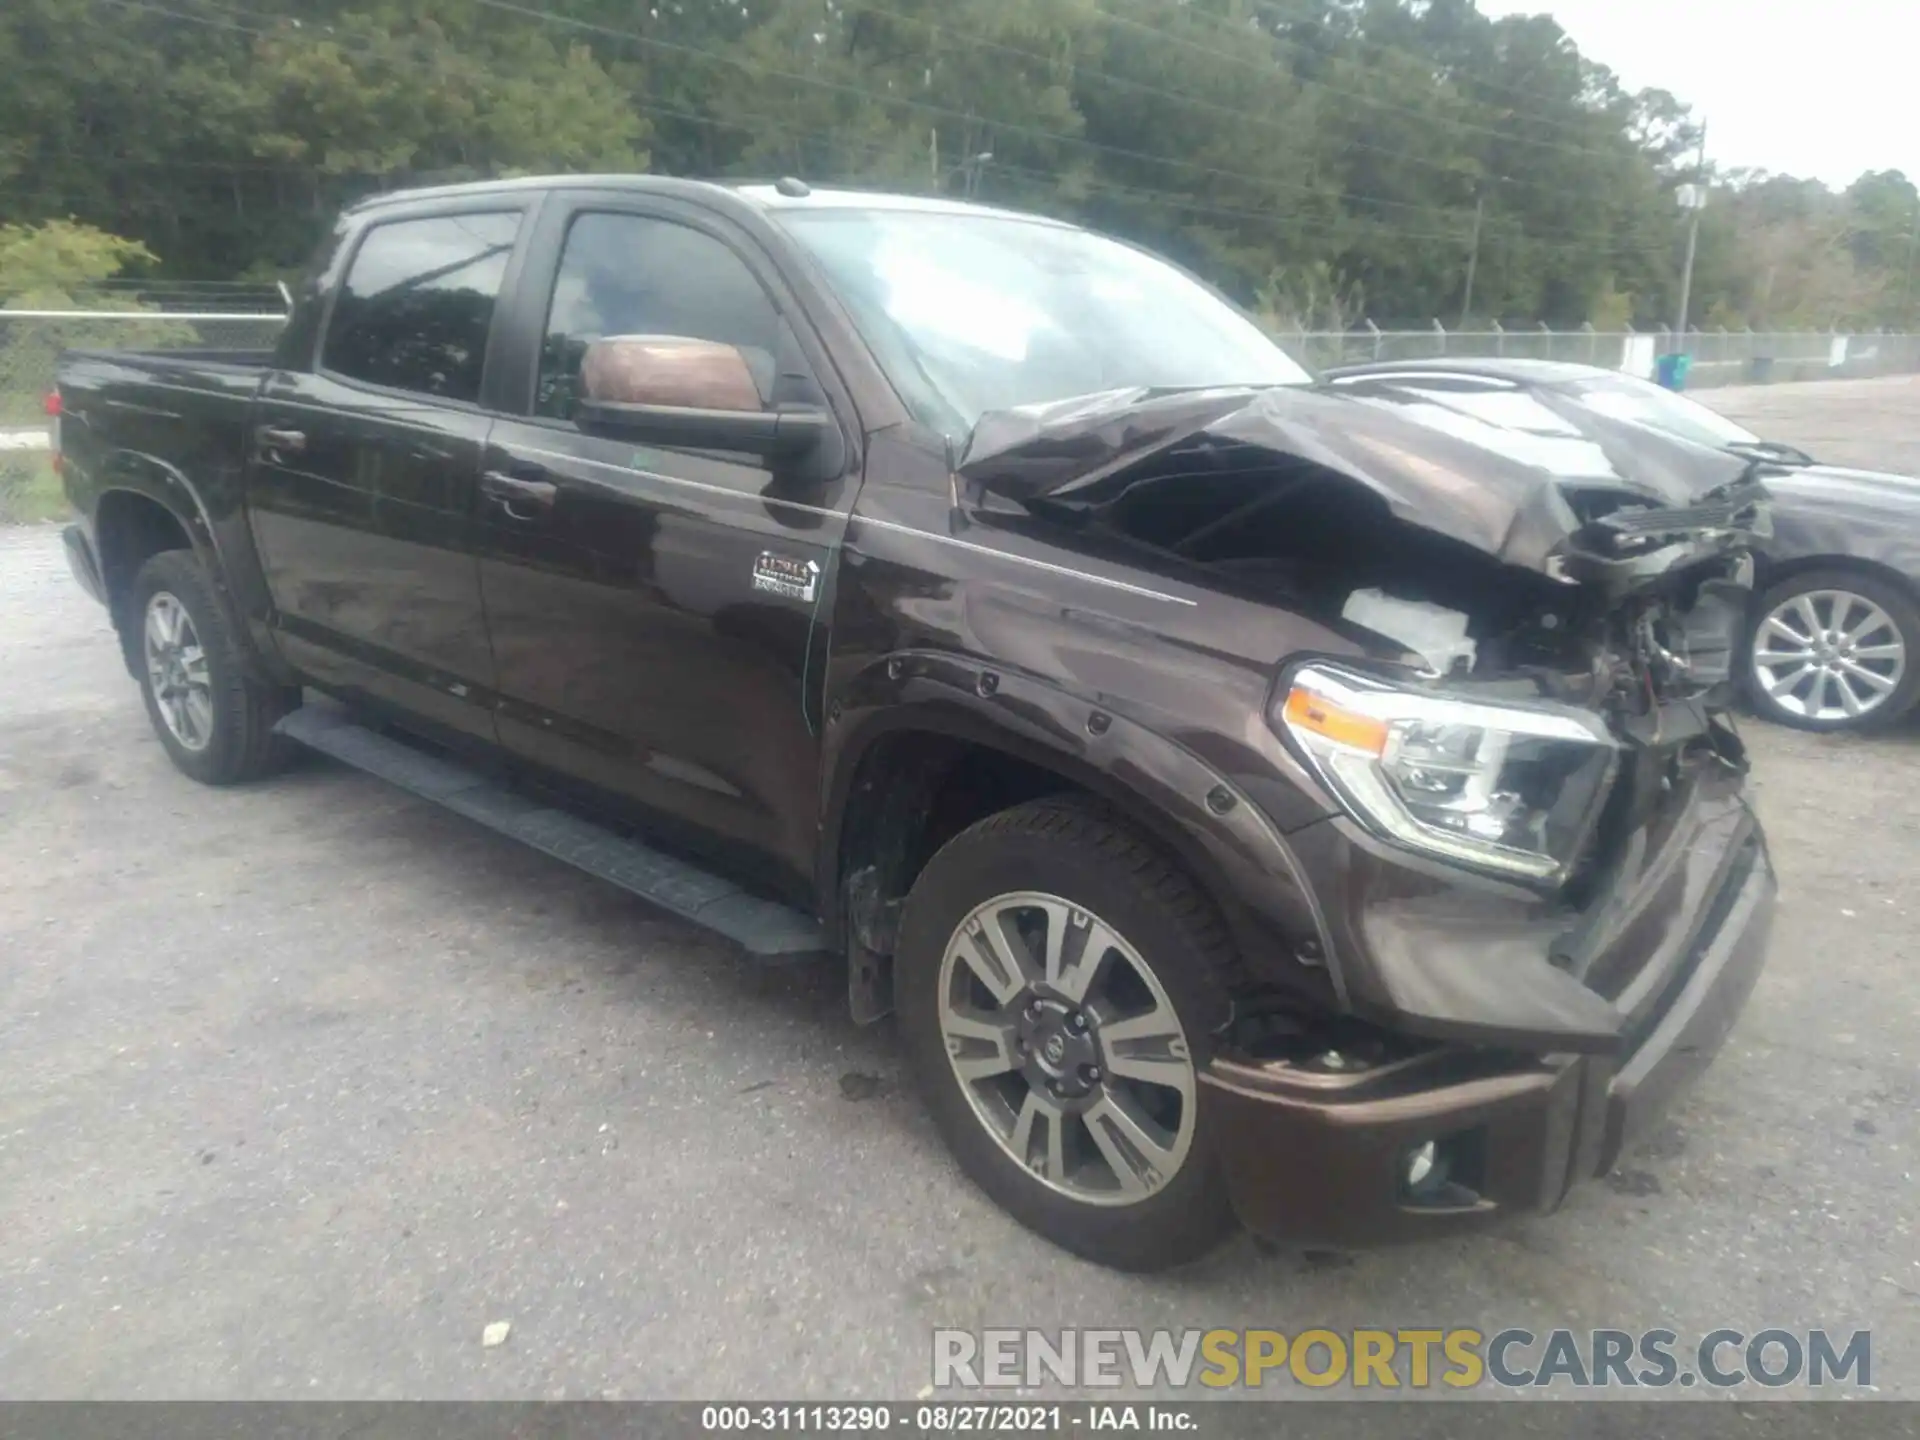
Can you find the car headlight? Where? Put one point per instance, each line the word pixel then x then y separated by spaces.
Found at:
pixel 1514 789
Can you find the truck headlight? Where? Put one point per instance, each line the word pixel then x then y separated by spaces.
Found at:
pixel 1509 788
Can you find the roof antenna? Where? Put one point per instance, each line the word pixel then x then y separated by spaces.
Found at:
pixel 792 187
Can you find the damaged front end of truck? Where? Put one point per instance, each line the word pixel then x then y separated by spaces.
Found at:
pixel 1541 630
pixel 1608 573
pixel 1608 570
pixel 1544 894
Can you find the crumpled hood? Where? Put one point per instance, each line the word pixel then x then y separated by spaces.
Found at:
pixel 1507 493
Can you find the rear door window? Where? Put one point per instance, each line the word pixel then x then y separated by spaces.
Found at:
pixel 417 305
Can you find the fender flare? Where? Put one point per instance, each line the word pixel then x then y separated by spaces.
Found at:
pixel 129 472
pixel 1235 852
pixel 132 472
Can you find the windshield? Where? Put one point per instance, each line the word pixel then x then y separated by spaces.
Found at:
pixel 1622 397
pixel 971 313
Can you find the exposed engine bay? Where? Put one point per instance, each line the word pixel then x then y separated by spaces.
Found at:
pixel 1315 542
pixel 1613 594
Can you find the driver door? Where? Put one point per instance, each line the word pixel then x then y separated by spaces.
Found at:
pixel 656 611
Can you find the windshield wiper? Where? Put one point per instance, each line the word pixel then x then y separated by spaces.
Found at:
pixel 1771 450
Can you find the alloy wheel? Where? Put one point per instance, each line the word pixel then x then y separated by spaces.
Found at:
pixel 1068 1048
pixel 177 672
pixel 1829 655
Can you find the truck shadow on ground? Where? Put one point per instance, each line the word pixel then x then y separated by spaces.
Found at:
pixel 578 938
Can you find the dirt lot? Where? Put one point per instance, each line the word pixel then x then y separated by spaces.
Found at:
pixel 303 1085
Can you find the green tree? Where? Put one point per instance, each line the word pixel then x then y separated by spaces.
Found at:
pixel 1299 153
pixel 44 265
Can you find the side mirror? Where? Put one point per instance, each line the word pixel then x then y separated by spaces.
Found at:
pixel 673 390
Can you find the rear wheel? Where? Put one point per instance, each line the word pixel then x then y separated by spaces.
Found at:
pixel 1834 650
pixel 1059 980
pixel 215 720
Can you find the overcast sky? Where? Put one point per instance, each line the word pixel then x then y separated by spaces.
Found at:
pixel 1826 88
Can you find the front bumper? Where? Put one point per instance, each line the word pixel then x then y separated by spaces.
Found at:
pixel 1311 1155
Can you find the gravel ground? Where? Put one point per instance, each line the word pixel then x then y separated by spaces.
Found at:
pixel 303 1085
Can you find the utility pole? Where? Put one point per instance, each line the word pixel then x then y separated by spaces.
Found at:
pixel 972 169
pixel 1694 198
pixel 933 156
pixel 1913 252
pixel 1473 255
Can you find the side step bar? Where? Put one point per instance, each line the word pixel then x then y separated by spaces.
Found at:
pixel 761 927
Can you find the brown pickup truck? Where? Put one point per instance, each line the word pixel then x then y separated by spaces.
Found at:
pixel 1253 799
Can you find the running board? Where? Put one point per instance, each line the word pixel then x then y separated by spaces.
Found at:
pixel 761 927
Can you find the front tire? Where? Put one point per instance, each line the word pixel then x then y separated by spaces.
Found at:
pixel 1059 981
pixel 1834 650
pixel 214 719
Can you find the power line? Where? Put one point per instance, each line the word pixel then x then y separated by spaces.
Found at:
pixel 589 27
pixel 761 125
pixel 1575 238
pixel 280 30
pixel 1174 200
pixel 194 19
pixel 363 47
pixel 1262 182
pixel 1387 48
pixel 423 55
pixel 860 92
pixel 1177 97
pixel 1166 37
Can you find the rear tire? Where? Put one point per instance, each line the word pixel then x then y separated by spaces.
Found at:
pixel 214 719
pixel 1833 650
pixel 1059 1121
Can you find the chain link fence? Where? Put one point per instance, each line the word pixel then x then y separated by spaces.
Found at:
pixel 31 342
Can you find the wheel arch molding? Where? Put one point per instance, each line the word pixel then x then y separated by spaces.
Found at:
pixel 966 706
pixel 132 483
pixel 1884 567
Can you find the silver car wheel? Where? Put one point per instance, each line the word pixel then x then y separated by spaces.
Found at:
pixel 177 672
pixel 1068 1048
pixel 1829 655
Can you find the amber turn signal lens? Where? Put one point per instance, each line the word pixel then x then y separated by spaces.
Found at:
pixel 1308 711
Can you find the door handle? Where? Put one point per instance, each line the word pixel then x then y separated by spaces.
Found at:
pixel 519 496
pixel 271 437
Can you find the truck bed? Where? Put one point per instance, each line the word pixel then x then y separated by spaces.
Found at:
pixel 192 357
pixel 181 412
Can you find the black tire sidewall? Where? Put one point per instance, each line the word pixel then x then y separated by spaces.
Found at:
pixel 179 574
pixel 1191 1214
pixel 1899 606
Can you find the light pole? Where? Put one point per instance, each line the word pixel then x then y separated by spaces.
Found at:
pixel 1694 198
pixel 972 167
pixel 1913 254
pixel 1473 256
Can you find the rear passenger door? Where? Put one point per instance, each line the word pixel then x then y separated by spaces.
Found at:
pixel 657 612
pixel 364 469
